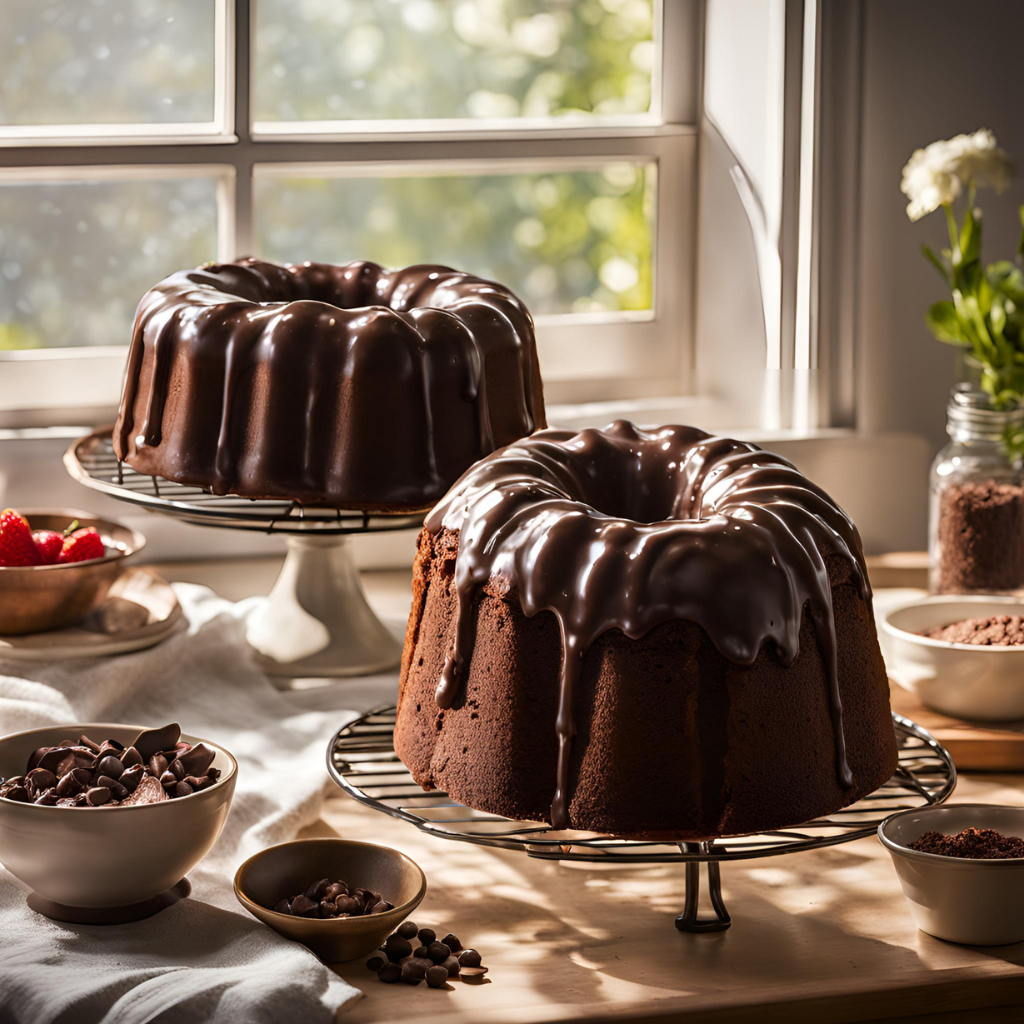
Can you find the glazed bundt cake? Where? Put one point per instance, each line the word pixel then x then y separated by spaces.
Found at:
pixel 657 634
pixel 347 386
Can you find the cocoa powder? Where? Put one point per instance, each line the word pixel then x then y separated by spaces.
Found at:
pixel 972 844
pixel 981 537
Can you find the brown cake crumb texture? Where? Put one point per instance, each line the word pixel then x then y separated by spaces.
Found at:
pixel 981 537
pixel 972 844
pixel 993 631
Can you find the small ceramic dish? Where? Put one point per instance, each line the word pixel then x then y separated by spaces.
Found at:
pixel 103 857
pixel 36 598
pixel 978 902
pixel 962 680
pixel 283 871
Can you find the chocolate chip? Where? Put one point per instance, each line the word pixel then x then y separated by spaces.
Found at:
pixel 132 777
pixel 36 756
pixel 469 958
pixel 283 907
pixel 168 780
pixel 335 889
pixel 328 909
pixel 390 974
pixel 397 948
pixel 414 971
pixel 348 905
pixel 52 759
pixel 452 966
pixel 375 963
pixel 197 759
pixel 421 953
pixel 131 757
pixel 48 798
pixel 110 766
pixel 84 741
pixel 110 746
pixel 18 794
pixel 152 741
pixel 213 774
pixel 157 765
pixel 407 929
pixel 437 977
pixel 381 907
pixel 317 890
pixel 117 791
pixel 303 907
pixel 452 942
pixel 427 936
pixel 40 779
pixel 472 973
pixel 74 781
pixel 438 952
pixel 182 789
pixel 148 791
pixel 97 796
pixel 177 769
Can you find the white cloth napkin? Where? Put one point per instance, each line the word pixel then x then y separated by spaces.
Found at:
pixel 204 958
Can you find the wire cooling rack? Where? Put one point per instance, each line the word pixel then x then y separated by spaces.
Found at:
pixel 91 461
pixel 362 760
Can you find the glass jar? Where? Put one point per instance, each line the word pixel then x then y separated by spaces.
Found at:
pixel 976 509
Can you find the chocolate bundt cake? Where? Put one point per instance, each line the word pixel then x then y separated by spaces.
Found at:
pixel 657 634
pixel 347 386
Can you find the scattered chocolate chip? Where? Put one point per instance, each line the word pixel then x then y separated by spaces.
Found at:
pixel 397 948
pixel 317 890
pixel 390 974
pixel 414 971
pixel 452 942
pixel 452 966
pixel 375 963
pixel 469 958
pixel 117 791
pixel 427 936
pixel 437 977
pixel 407 929
pixel 336 889
pixel 182 789
pixel 472 973
pixel 438 952
pixel 302 906
pixel 421 953
pixel 348 905
pixel 132 777
pixel 157 765
pixel 177 769
pixel 283 907
pixel 131 757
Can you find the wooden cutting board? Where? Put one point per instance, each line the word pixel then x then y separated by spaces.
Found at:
pixel 975 746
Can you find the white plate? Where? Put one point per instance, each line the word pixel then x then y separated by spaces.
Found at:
pixel 140 610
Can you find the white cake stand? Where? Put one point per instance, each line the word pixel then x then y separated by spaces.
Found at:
pixel 316 622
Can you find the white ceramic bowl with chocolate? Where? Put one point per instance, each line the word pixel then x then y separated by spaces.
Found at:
pixel 967 883
pixel 969 670
pixel 100 825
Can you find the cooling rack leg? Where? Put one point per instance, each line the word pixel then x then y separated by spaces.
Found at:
pixel 689 920
pixel 316 621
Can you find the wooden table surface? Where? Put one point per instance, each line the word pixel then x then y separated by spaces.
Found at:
pixel 823 936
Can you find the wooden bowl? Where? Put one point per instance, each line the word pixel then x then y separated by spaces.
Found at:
pixel 37 598
pixel 286 870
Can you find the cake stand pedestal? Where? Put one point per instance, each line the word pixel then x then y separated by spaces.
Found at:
pixel 362 760
pixel 317 622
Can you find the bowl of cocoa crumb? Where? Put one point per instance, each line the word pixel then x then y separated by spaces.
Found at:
pixel 962 656
pixel 962 870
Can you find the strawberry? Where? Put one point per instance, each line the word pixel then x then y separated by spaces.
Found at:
pixel 16 544
pixel 50 543
pixel 82 545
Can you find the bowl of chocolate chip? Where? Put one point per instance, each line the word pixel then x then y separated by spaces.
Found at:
pixel 339 897
pixel 962 656
pixel 962 870
pixel 109 816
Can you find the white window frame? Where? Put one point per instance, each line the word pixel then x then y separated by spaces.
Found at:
pixel 584 357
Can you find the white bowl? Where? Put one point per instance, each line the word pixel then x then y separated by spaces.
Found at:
pixel 962 680
pixel 978 902
pixel 107 856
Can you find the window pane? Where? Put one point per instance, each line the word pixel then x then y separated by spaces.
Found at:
pixel 76 256
pixel 564 240
pixel 106 61
pixel 330 60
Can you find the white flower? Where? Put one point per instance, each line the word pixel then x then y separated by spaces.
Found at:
pixel 939 173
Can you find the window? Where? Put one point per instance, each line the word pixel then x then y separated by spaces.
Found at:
pixel 547 143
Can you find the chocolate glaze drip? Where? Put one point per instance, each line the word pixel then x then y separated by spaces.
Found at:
pixel 342 385
pixel 625 528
